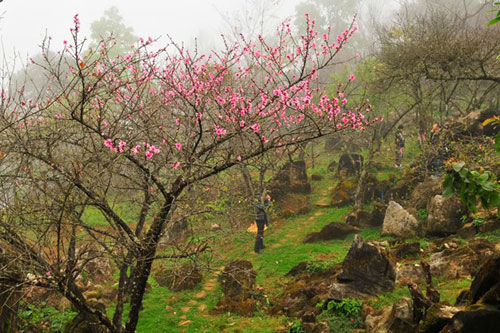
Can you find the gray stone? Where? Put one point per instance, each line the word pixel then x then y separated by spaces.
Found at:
pixel 398 222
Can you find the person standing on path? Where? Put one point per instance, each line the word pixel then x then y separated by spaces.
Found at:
pixel 400 145
pixel 261 219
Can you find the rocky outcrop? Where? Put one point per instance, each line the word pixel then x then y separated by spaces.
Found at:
pixel 364 219
pixel 352 163
pixel 238 285
pixel 292 204
pixel 398 222
pixel 343 193
pixel 406 250
pixel 425 190
pixel 443 216
pixel 180 278
pixel 367 268
pixel 334 230
pixel 395 319
pixel 291 178
pixel 456 261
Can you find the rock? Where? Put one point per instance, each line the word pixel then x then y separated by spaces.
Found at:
pixel 409 273
pixel 425 190
pixel 476 319
pixel 352 163
pixel 467 231
pixel 319 327
pixel 339 291
pixel 317 177
pixel 443 216
pixel 367 268
pixel 343 193
pixel 406 250
pixel 363 219
pixel 398 222
pixel 238 285
pixel 397 319
pixel 214 227
pixel 437 317
pixel 83 323
pixel 472 124
pixel 489 226
pixel 485 279
pixel 180 278
pixel 238 279
pixel 334 230
pixel 292 204
pixel 374 189
pixel 291 178
pixel 402 189
pixel 454 263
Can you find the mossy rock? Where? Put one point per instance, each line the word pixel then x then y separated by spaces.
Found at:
pixel 185 277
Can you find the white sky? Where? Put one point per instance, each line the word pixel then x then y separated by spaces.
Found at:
pixel 25 22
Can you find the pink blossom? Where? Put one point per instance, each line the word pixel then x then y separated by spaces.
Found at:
pixel 238 158
pixel 149 155
pixel 178 145
pixel 352 77
pixel 176 165
pixel 136 150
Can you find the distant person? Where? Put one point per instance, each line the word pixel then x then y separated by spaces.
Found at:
pixel 261 219
pixel 399 139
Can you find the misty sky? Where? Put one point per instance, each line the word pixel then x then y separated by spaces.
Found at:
pixel 25 22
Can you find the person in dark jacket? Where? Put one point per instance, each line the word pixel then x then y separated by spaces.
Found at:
pixel 400 145
pixel 261 219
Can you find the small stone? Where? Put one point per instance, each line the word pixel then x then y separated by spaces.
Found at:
pixel 185 309
pixel 185 322
pixel 201 294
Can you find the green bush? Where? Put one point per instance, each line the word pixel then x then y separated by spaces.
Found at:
pixel 422 214
pixel 343 316
pixel 34 316
pixel 296 327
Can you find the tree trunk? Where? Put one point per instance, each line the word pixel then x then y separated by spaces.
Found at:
pixel 145 260
pixel 374 146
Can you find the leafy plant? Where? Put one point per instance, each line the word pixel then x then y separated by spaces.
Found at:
pixel 347 307
pixel 472 186
pixel 495 119
pixel 422 214
pixel 497 17
pixel 296 327
pixel 33 317
pixel 478 221
pixel 343 316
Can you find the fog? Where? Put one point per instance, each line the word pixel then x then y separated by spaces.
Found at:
pixel 24 23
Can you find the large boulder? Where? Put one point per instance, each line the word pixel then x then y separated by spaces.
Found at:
pixel 291 178
pixel 334 230
pixel 397 319
pixel 292 204
pixel 373 218
pixel 398 222
pixel 343 193
pixel 367 268
pixel 437 317
pixel 443 216
pixel 238 285
pixel 486 279
pixel 476 319
pixel 185 277
pixel 472 124
pixel 459 262
pixel 421 194
pixel 85 323
pixel 352 163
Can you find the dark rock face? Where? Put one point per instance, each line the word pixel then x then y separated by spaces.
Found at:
pixel 475 320
pixel 352 163
pixel 317 177
pixel 292 178
pixel 421 194
pixel 238 282
pixel 334 230
pixel 367 268
pixel 183 278
pixel 486 279
pixel 374 218
pixel 443 216
pixel 437 317
pixel 397 319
